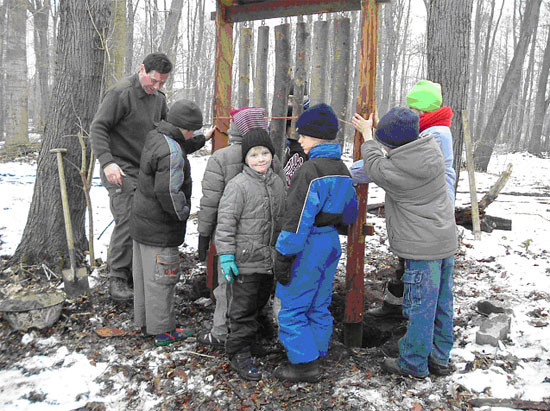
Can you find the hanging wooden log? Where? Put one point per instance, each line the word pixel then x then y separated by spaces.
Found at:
pixel 340 72
pixel 260 79
pixel 282 83
pixel 243 98
pixel 299 76
pixel 319 62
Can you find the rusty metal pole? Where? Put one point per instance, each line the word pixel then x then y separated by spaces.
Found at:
pixel 366 102
pixel 222 106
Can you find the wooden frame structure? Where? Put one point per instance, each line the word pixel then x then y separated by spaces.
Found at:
pixel 231 11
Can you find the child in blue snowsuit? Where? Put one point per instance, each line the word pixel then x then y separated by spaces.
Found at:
pixel 421 229
pixel 308 250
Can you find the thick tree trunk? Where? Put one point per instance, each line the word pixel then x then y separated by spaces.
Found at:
pixel 16 88
pixel 116 42
pixel 279 106
pixel 319 62
pixel 75 97
pixel 483 152
pixel 475 63
pixel 243 98
pixel 448 51
pixel 540 106
pixel 168 43
pixel 198 92
pixel 340 71
pixel 260 79
pixel 299 76
pixel 129 57
pixel 3 8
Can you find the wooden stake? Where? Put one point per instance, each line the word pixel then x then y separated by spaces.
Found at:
pixel 476 226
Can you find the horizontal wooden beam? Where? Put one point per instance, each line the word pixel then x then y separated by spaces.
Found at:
pixel 269 9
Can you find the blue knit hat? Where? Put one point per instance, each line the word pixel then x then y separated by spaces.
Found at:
pixel 318 121
pixel 397 127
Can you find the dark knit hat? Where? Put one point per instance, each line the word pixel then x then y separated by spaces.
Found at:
pixel 318 121
pixel 397 127
pixel 254 138
pixel 185 114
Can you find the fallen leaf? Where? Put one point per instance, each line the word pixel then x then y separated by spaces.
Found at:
pixel 110 332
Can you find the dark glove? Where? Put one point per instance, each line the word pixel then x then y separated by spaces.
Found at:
pixel 283 267
pixel 204 243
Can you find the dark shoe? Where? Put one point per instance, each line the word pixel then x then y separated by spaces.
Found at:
pixel 258 350
pixel 206 338
pixel 119 289
pixel 243 365
pixel 178 334
pixel 305 372
pixel 390 365
pixel 386 311
pixel 440 370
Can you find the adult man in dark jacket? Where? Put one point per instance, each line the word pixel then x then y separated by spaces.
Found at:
pixel 127 113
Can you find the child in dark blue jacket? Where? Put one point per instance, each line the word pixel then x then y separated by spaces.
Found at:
pixel 308 251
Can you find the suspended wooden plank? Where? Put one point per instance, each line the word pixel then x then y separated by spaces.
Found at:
pixel 319 61
pixel 340 70
pixel 299 76
pixel 260 79
pixel 243 99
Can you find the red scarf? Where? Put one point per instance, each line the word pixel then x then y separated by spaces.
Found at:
pixel 439 117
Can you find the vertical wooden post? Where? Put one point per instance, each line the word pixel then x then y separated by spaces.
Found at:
pixel 339 86
pixel 319 62
pixel 299 75
pixel 221 108
pixel 476 224
pixel 366 101
pixel 260 79
pixel 244 67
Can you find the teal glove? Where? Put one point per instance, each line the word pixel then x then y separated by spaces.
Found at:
pixel 229 268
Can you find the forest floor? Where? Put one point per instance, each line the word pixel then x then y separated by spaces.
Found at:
pixel 74 365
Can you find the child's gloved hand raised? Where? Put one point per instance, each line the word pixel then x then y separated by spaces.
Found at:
pixel 282 268
pixel 229 268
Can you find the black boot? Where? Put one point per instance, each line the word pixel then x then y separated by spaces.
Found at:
pixel 305 372
pixel 440 370
pixel 243 365
pixel 119 290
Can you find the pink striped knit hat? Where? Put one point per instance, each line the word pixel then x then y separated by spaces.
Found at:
pixel 247 118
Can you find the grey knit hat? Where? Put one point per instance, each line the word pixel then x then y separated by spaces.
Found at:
pixel 185 114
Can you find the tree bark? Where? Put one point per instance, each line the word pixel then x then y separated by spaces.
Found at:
pixel 299 76
pixel 168 43
pixel 340 73
pixel 41 14
pixel 16 88
pixel 260 79
pixel 3 8
pixel 483 152
pixel 319 62
pixel 116 44
pixel 279 106
pixel 75 97
pixel 448 50
pixel 540 106
pixel 129 57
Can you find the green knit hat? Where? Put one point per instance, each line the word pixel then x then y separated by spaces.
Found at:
pixel 425 96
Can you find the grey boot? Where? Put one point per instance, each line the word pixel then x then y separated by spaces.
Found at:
pixel 392 307
pixel 119 289
pixel 305 372
pixel 243 365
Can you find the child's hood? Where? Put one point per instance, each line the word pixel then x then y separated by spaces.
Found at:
pixel 421 158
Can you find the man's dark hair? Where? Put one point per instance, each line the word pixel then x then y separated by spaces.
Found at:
pixel 159 62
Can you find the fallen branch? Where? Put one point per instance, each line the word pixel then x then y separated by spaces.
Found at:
pixel 505 402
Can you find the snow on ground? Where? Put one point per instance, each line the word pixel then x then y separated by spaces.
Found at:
pixel 514 269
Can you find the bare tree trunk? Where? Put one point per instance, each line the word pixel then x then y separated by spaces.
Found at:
pixel 168 43
pixel 75 98
pixel 3 8
pixel 129 58
pixel 260 79
pixel 448 50
pixel 243 98
pixel 16 88
pixel 114 65
pixel 390 51
pixel 540 106
pixel 475 63
pixel 483 152
pixel 340 71
pixel 404 46
pixel 197 53
pixel 319 62
pixel 41 14
pixel 282 83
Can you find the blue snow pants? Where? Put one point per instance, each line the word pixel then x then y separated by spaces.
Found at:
pixel 305 322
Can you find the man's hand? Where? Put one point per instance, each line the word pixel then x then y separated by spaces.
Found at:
pixel 363 126
pixel 114 174
pixel 208 135
pixel 282 268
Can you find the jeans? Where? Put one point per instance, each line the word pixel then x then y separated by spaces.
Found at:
pixel 428 304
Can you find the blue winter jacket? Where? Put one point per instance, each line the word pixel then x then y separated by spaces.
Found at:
pixel 321 186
